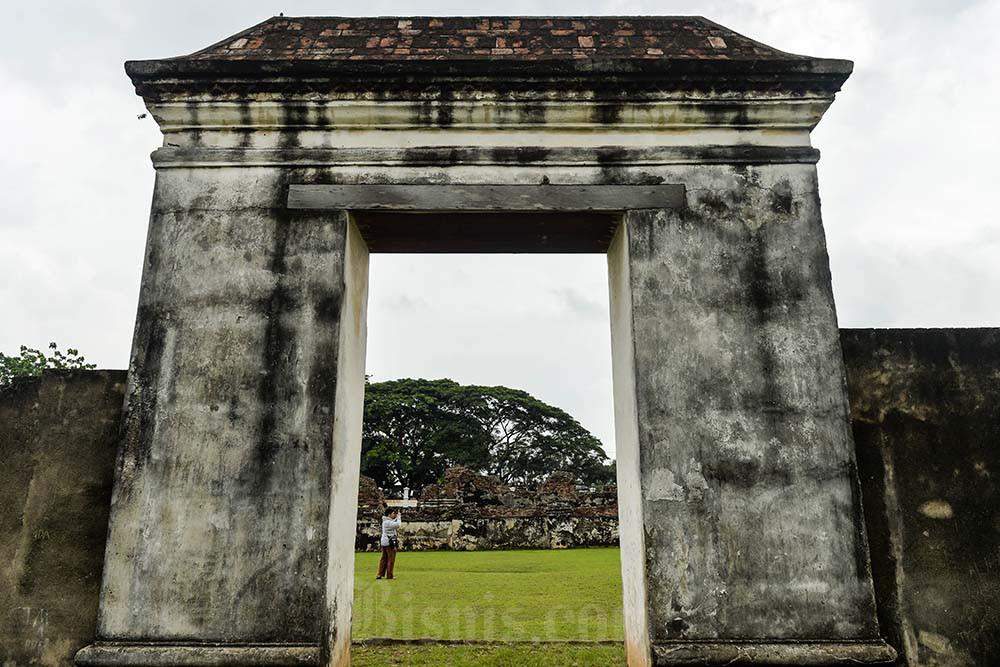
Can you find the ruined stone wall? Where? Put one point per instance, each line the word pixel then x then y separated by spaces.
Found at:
pixel 477 533
pixel 925 404
pixel 467 511
pixel 57 448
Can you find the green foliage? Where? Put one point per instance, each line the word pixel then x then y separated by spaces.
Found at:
pixel 33 362
pixel 415 429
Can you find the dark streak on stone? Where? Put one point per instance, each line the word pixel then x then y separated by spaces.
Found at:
pixel 277 342
pixel 610 163
pixel 246 120
pixel 444 117
pixel 139 425
pixel 423 156
pixel 296 117
pixel 531 113
pixel 745 474
pixel 195 125
pixel 519 155
pixel 780 197
pixel 762 299
pixel 608 113
pixel 322 121
pixel 861 560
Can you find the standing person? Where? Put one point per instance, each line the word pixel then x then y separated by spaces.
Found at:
pixel 389 542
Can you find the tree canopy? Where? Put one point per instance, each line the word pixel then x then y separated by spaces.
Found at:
pixel 33 362
pixel 415 429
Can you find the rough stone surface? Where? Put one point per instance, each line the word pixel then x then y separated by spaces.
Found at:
pixel 925 405
pixel 751 512
pixel 371 501
pixel 462 485
pixel 58 435
pixel 476 533
pixel 559 487
pixel 229 417
pixel 467 511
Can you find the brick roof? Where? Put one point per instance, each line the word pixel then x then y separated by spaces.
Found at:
pixel 488 38
pixel 400 56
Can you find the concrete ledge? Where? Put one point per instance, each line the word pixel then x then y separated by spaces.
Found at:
pixel 468 198
pixel 451 156
pixel 127 654
pixel 747 652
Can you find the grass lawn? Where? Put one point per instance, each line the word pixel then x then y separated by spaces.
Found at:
pixel 501 596
pixel 542 655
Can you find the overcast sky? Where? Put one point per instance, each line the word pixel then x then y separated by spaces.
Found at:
pixel 908 179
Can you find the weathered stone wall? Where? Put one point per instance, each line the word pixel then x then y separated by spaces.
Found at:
pixel 467 511
pixel 472 533
pixel 746 509
pixel 226 523
pixel 57 449
pixel 925 405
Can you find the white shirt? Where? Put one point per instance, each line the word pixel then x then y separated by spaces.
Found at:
pixel 390 529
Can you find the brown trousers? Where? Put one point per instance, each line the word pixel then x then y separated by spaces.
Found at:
pixel 387 562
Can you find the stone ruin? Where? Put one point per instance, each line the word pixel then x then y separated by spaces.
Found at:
pixel 371 500
pixel 468 511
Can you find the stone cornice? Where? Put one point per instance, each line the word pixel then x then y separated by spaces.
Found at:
pixel 679 120
pixel 460 156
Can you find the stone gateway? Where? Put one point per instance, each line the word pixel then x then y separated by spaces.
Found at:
pixel 292 150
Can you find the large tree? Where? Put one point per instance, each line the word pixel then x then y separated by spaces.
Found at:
pixel 415 429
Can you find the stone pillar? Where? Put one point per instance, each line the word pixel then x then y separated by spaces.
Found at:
pixel 741 526
pixel 345 468
pixel 244 386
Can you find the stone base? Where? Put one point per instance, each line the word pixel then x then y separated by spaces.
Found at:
pixel 673 653
pixel 127 654
pixel 745 652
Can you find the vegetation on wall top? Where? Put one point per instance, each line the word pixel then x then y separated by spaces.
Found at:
pixel 32 362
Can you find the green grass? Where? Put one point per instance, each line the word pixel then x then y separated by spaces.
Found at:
pixel 542 655
pixel 493 596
